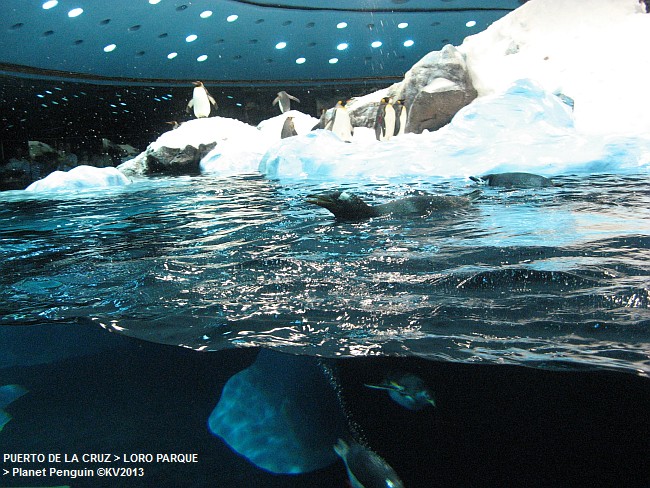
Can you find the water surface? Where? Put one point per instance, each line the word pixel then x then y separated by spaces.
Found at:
pixel 552 277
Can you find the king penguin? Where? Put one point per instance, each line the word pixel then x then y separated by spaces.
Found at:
pixel 340 123
pixel 385 120
pixel 201 101
pixel 284 100
pixel 400 117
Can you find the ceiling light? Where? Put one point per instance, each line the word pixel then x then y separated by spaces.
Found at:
pixel 376 44
pixel 471 23
pixel 341 25
pixel 75 12
pixel 334 60
pixel 232 18
pixel 342 47
pixel 402 25
pixel 300 60
pixel 109 48
pixel 281 45
pixel 50 4
pixel 172 55
pixel 408 43
pixel 154 2
pixel 206 14
pixel 202 58
pixel 191 38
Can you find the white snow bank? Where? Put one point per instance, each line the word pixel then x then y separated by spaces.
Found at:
pixel 80 178
pixel 205 131
pixel 523 129
pixel 242 151
pixel 595 52
pixel 272 127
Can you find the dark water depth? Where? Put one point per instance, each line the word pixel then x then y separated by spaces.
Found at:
pixel 493 426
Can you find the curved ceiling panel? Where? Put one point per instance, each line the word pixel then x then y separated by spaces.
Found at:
pixel 257 41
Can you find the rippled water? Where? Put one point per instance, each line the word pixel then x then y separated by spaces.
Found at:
pixel 546 277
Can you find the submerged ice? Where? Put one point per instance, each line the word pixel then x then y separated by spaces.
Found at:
pixel 281 414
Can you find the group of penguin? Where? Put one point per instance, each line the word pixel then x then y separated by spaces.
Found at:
pixel 390 119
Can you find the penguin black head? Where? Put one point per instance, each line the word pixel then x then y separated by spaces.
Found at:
pixel 344 205
pixel 197 83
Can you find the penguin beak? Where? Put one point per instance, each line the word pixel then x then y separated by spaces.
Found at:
pixel 197 83
pixel 320 200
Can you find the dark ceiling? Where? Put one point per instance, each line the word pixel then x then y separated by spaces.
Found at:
pixel 233 41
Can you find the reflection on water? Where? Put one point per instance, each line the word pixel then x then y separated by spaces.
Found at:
pixel 540 276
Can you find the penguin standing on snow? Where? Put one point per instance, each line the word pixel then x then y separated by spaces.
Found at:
pixel 340 123
pixel 288 129
pixel 385 120
pixel 201 101
pixel 400 117
pixel 284 100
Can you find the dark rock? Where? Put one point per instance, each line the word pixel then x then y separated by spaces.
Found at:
pixel 175 161
pixel 433 90
pixel 436 104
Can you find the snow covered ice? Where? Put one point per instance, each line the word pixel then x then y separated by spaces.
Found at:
pixel 525 67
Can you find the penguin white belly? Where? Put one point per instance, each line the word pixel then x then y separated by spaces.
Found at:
pixel 200 102
pixel 389 123
pixel 285 106
pixel 342 126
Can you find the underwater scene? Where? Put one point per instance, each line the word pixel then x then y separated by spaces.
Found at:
pixel 436 278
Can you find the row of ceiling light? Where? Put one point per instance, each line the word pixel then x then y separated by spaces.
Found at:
pixel 232 18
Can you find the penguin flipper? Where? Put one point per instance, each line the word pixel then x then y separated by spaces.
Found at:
pixel 378 387
pixel 293 98
pixel 478 179
pixel 330 123
pixel 212 100
pixel 275 102
pixel 188 109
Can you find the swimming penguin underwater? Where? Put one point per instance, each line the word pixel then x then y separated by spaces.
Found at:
pixel 366 469
pixel 407 390
pixel 201 101
pixel 385 120
pixel 340 123
pixel 348 206
pixel 400 117
pixel 284 101
pixel 514 180
pixel 288 128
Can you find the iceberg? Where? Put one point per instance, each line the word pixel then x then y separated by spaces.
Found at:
pixel 525 128
pixel 80 178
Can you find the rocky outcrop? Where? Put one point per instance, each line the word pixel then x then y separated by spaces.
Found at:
pixel 175 161
pixel 168 161
pixel 433 90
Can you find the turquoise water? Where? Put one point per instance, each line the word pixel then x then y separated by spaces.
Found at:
pixel 553 277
